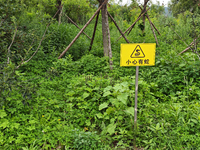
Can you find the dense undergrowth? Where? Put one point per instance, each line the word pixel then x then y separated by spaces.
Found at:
pixel 77 102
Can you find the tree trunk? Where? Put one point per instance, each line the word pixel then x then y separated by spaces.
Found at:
pixel 60 15
pixel 144 17
pixel 59 7
pixel 105 29
pixel 106 34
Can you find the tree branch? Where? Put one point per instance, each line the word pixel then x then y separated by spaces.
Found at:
pixel 118 27
pixel 77 26
pixel 41 39
pixel 11 45
pixel 95 26
pixel 134 23
pixel 61 55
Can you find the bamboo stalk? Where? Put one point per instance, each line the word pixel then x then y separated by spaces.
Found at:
pixel 189 47
pixel 151 22
pixel 118 27
pixel 77 26
pixel 153 33
pixel 133 23
pixel 95 27
pixel 82 30
pixel 139 16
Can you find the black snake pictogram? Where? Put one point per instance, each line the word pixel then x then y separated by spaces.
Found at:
pixel 138 53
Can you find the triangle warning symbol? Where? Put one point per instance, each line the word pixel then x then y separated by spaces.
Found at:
pixel 138 53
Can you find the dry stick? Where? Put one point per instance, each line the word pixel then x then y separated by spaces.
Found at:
pixel 41 39
pixel 153 25
pixel 25 55
pixel 11 45
pixel 118 27
pixel 151 21
pixel 153 32
pixel 180 37
pixel 133 23
pixel 144 9
pixel 95 27
pixel 188 46
pixel 77 26
pixel 180 55
pixel 82 30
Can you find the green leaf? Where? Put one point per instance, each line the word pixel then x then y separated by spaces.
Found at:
pixel 99 115
pixel 123 98
pixel 157 126
pixel 194 120
pixel 117 87
pixel 111 128
pixel 4 123
pixel 106 93
pixel 88 123
pixel 2 114
pixel 108 88
pixel 110 110
pixel 125 84
pixel 102 106
pixel 85 95
pixel 130 110
pixel 15 125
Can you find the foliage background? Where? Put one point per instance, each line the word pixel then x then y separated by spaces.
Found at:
pixel 77 102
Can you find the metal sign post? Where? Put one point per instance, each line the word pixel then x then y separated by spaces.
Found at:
pixel 137 54
pixel 135 113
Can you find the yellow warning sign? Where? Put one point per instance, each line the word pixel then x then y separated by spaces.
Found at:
pixel 140 54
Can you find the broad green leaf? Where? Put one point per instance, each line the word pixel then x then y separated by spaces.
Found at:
pixel 123 98
pixel 117 87
pixel 88 123
pixel 106 93
pixel 125 84
pixel 130 110
pixel 4 123
pixel 120 118
pixel 181 65
pixel 15 125
pixel 99 115
pixel 111 128
pixel 194 120
pixel 115 102
pixel 102 106
pixel 198 92
pixel 32 121
pixel 85 95
pixel 112 120
pixel 108 88
pixel 157 126
pixel 110 110
pixel 2 114
pixel 30 128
